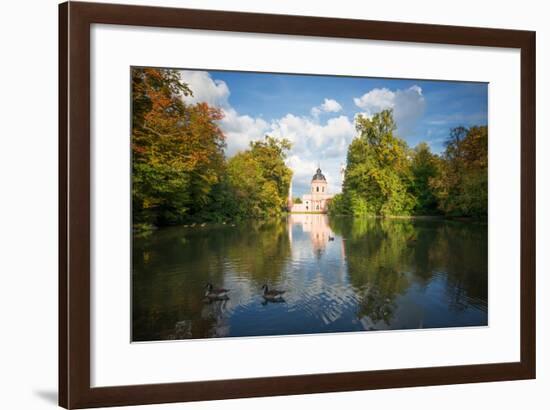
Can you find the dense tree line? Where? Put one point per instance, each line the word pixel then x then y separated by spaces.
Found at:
pixel 180 173
pixel 385 177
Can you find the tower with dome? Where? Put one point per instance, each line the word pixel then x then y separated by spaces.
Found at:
pixel 318 197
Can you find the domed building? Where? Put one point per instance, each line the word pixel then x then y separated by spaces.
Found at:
pixel 318 198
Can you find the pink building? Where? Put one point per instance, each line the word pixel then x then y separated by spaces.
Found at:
pixel 318 198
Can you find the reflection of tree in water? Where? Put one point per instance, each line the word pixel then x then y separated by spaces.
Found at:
pixel 162 296
pixel 171 268
pixel 464 249
pixel 385 257
pixel 377 273
pixel 260 251
pixel 374 250
pixel 377 300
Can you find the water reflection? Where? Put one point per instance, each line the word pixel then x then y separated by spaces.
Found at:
pixel 340 274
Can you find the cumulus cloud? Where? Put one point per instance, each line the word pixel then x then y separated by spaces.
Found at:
pixel 241 129
pixel 314 143
pixel 205 89
pixel 408 105
pixel 238 129
pixel 329 105
pixel 311 137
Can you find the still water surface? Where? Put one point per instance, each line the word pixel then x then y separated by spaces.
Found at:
pixel 340 275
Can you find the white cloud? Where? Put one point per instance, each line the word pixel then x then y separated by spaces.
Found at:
pixel 376 100
pixel 239 130
pixel 312 138
pixel 205 89
pixel 301 168
pixel 329 105
pixel 408 105
pixel 314 142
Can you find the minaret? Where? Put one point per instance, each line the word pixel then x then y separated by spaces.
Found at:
pixel 342 171
pixel 289 201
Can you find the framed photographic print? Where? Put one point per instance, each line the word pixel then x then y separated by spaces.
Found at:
pixel 255 205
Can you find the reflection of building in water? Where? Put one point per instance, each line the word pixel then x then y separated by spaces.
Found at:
pixel 316 225
pixel 318 198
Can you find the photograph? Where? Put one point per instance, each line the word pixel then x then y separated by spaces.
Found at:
pixel 273 204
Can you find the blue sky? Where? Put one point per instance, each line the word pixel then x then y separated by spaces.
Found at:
pixel 317 112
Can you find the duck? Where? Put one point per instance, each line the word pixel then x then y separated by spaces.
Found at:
pixel 272 294
pixel 216 293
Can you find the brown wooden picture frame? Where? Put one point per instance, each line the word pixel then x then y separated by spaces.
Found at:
pixel 75 20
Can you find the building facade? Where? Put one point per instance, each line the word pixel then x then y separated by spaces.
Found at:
pixel 318 197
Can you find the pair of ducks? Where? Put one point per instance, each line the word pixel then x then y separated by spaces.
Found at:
pixel 222 294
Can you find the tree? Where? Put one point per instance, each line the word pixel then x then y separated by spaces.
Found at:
pixel 177 148
pixel 271 154
pixel 259 178
pixel 462 187
pixel 377 174
pixel 424 168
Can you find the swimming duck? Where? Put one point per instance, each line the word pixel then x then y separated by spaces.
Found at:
pixel 272 294
pixel 216 293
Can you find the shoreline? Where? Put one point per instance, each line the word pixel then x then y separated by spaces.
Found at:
pixel 141 228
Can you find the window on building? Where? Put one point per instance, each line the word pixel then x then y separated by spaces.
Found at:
pixel 317 189
pixel 323 189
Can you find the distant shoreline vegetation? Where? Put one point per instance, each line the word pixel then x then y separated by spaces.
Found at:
pixel 385 177
pixel 180 174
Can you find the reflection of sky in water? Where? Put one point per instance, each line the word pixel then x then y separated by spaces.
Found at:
pixel 340 275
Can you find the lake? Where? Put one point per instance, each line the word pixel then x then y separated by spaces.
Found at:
pixel 340 274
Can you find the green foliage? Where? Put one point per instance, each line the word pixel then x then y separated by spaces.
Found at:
pixel 461 189
pixel 377 174
pixel 384 177
pixel 177 149
pixel 424 168
pixel 338 205
pixel 179 170
pixel 259 178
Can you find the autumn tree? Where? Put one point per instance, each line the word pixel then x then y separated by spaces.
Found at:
pixel 462 188
pixel 177 148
